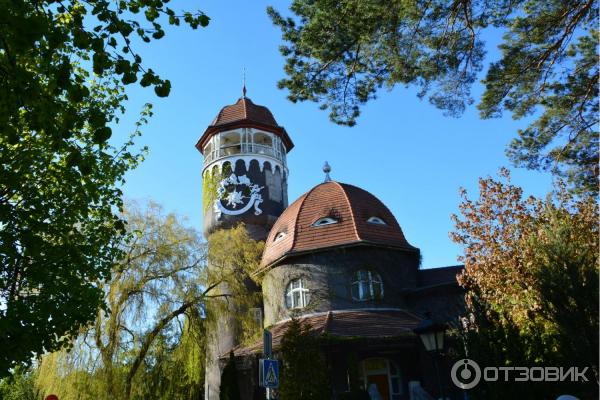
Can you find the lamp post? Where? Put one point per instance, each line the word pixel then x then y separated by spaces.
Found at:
pixel 432 336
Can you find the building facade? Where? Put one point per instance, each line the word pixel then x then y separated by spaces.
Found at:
pixel 336 258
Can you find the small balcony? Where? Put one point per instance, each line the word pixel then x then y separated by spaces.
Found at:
pixel 245 141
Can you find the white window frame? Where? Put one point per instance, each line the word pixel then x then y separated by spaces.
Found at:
pixel 365 286
pixel 325 221
pixel 279 236
pixel 291 289
pixel 224 148
pixel 376 221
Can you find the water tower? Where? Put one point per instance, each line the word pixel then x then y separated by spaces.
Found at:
pixel 244 180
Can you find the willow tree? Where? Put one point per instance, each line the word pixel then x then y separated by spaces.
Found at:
pixel 64 67
pixel 150 338
pixel 341 53
pixel 234 258
pixel 150 333
pixel 531 280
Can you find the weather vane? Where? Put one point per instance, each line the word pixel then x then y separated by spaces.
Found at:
pixel 244 80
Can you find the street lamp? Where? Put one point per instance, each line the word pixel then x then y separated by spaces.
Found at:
pixel 432 336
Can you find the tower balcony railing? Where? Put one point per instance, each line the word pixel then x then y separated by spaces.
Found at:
pixel 243 149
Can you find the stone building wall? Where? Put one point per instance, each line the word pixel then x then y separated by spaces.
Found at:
pixel 328 276
pixel 263 173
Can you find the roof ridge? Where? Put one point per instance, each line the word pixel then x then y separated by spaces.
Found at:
pixel 303 197
pixel 384 206
pixel 244 107
pixel 352 216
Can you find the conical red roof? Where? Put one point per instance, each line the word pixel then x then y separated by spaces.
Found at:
pixel 350 206
pixel 244 109
pixel 244 113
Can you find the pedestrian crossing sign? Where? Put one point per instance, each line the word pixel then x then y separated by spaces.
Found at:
pixel 269 373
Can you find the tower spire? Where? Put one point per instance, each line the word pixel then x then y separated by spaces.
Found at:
pixel 244 83
pixel 327 170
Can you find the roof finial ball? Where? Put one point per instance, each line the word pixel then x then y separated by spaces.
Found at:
pixel 327 170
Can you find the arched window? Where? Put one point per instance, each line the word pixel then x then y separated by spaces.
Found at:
pixel 325 221
pixel 376 221
pixel 296 294
pixel 231 143
pixel 263 143
pixel 366 285
pixel 263 139
pixel 209 147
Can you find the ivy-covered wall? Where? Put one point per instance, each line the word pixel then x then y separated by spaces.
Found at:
pixel 210 184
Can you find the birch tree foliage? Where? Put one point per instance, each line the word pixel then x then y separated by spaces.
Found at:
pixel 341 53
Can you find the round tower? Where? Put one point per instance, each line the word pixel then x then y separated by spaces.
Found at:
pixel 337 247
pixel 244 180
pixel 245 172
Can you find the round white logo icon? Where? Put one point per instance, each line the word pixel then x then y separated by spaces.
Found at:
pixel 465 373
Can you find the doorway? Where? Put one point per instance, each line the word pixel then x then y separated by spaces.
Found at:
pixel 384 374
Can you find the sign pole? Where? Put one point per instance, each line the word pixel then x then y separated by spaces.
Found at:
pixel 267 344
pixel 268 368
pixel 267 350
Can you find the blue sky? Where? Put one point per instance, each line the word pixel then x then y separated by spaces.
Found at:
pixel 402 150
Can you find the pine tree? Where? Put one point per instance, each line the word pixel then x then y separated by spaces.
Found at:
pixel 305 374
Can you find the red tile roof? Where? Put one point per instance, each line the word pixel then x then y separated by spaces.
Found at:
pixel 244 108
pixel 350 205
pixel 244 113
pixel 370 324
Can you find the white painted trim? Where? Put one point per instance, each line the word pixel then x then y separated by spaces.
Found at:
pixel 247 159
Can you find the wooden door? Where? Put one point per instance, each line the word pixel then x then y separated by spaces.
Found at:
pixel 381 381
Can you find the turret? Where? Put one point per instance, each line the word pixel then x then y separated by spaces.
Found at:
pixel 245 171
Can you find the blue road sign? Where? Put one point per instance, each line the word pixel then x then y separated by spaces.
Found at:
pixel 269 373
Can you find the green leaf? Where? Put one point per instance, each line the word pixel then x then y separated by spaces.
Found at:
pixel 204 20
pixel 129 77
pixel 163 89
pixel 101 135
pixel 148 78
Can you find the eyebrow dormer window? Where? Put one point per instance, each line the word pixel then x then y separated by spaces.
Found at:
pixel 325 221
pixel 279 236
pixel 376 221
